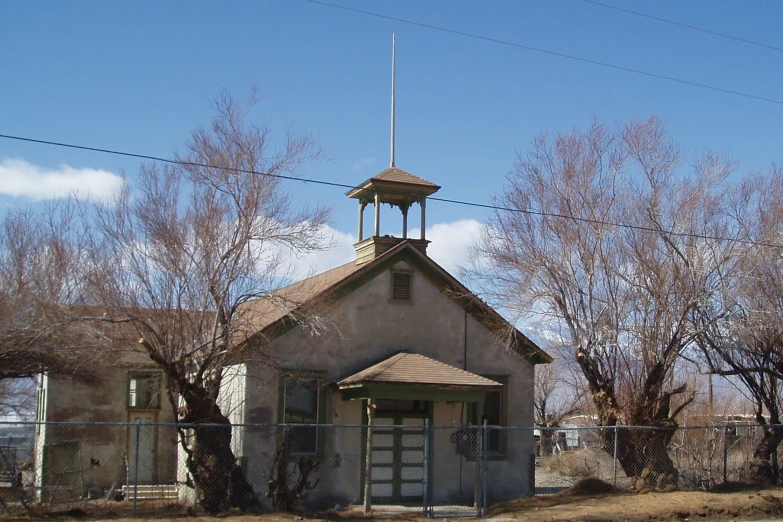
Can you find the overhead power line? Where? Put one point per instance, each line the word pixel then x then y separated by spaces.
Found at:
pixel 545 51
pixel 351 187
pixel 687 26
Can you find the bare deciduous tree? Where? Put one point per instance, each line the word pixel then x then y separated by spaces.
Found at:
pixel 181 254
pixel 623 295
pixel 747 345
pixel 557 394
pixel 41 267
pixel 17 397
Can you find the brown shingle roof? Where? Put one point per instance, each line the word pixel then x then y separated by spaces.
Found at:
pixel 400 176
pixel 285 301
pixel 412 368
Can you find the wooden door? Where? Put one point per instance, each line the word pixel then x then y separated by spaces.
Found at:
pixel 146 447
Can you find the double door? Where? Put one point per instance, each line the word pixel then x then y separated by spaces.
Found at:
pixel 397 458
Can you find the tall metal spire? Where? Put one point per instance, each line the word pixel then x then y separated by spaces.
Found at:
pixel 392 107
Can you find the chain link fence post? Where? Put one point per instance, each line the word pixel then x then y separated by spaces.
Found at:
pixel 614 456
pixel 368 458
pixel 136 468
pixel 484 446
pixel 725 452
pixel 476 432
pixel 427 510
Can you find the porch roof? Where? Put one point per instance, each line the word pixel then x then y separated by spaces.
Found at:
pixel 410 375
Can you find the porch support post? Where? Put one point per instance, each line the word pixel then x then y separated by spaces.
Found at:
pixel 368 459
pixel 477 432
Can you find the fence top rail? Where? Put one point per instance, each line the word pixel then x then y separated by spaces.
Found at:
pixel 382 426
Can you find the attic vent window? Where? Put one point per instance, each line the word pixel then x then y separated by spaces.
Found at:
pixel 401 286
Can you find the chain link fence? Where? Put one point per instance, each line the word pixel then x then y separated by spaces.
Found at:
pixel 137 468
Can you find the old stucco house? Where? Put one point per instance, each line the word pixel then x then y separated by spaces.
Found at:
pixel 84 447
pixel 392 339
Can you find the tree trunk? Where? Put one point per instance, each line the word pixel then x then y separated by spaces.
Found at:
pixel 546 441
pixel 764 465
pixel 643 455
pixel 220 482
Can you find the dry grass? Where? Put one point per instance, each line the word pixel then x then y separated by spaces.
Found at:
pixel 583 462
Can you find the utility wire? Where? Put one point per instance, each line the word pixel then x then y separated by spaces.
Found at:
pixel 353 187
pixel 545 51
pixel 680 24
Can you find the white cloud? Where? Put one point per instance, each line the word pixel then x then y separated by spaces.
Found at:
pixel 450 242
pixel 448 247
pixel 23 179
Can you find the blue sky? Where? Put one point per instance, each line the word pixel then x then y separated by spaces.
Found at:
pixel 137 76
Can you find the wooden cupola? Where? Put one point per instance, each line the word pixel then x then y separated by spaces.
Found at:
pixel 399 189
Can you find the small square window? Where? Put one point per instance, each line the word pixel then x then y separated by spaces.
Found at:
pixel 144 391
pixel 401 286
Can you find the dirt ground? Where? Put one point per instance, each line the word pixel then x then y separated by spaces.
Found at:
pixel 588 502
pixel 757 504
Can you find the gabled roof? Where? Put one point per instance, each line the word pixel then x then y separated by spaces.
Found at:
pixel 276 314
pixel 412 368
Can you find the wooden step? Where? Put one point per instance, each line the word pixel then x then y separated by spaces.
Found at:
pixel 150 492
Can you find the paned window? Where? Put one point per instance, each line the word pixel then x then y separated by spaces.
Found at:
pixel 144 391
pixel 496 414
pixel 302 403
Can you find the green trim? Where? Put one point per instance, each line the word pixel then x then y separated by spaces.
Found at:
pixel 324 396
pixel 421 392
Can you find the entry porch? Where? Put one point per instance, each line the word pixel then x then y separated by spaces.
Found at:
pixel 406 459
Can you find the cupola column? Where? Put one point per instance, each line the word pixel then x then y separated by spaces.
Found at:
pixel 404 209
pixel 423 203
pixel 362 204
pixel 377 214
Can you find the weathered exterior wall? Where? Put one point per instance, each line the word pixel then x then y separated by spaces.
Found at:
pixel 78 457
pixel 232 404
pixel 363 328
